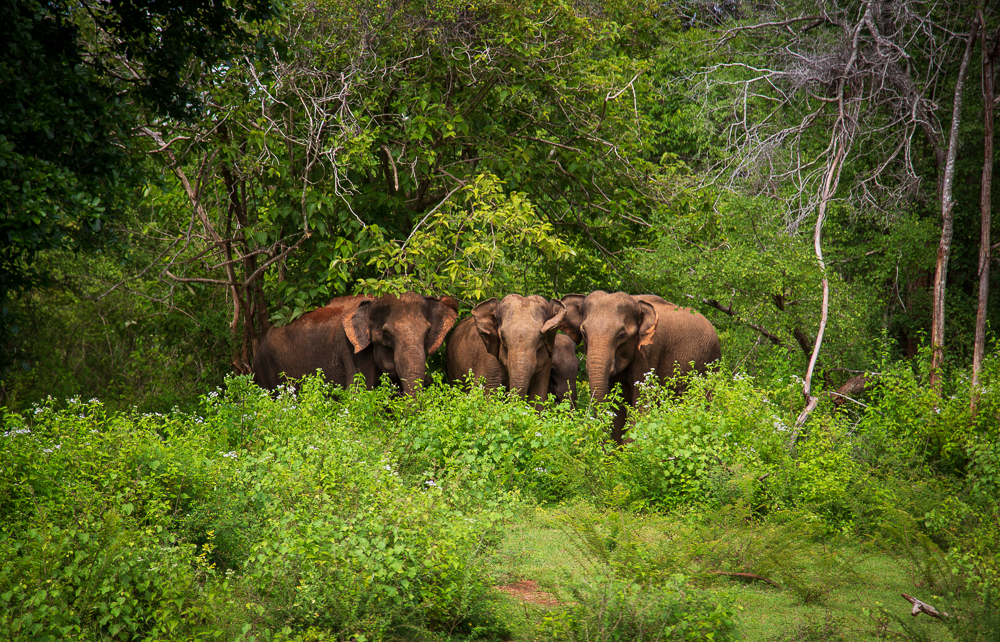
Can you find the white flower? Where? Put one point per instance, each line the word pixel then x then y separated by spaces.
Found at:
pixel 231 454
pixel 430 482
pixel 538 434
pixel 17 431
pixel 541 470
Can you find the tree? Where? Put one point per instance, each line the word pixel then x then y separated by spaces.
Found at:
pixel 75 77
pixel 333 167
pixel 875 79
pixel 986 189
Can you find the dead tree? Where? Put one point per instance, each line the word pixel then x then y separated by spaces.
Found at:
pixel 870 80
pixel 948 216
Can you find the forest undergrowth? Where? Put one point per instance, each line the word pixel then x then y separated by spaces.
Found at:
pixel 321 514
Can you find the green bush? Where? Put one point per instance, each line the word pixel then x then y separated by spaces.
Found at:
pixel 320 513
pixel 615 611
pixel 261 517
pixel 718 442
pixel 500 443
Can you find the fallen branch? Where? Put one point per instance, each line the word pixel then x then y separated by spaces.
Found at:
pixel 747 576
pixel 923 607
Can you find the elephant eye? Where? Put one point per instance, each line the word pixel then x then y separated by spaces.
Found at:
pixel 621 334
pixel 386 337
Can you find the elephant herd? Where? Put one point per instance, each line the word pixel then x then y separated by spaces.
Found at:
pixel 513 343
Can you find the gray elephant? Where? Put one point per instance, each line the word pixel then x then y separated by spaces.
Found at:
pixel 565 367
pixel 390 335
pixel 625 337
pixel 508 343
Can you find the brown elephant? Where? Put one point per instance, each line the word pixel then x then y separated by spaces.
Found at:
pixel 508 343
pixel 627 336
pixel 565 366
pixel 390 335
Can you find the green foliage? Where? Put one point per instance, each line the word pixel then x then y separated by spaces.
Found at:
pixel 471 248
pixel 685 446
pixel 75 78
pixel 830 629
pixel 64 151
pixel 271 515
pixel 633 591
pixel 128 350
pixel 721 252
pixel 617 611
pixel 322 512
pixel 500 444
pixel 472 150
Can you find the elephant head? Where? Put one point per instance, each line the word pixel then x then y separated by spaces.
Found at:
pixel 401 331
pixel 520 332
pixel 614 328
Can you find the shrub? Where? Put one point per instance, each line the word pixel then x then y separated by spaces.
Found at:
pixel 266 516
pixel 612 610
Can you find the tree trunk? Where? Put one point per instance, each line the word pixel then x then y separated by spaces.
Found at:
pixel 840 143
pixel 829 188
pixel 947 219
pixel 985 207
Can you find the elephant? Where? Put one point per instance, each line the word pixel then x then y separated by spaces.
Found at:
pixel 390 335
pixel 565 366
pixel 627 336
pixel 508 343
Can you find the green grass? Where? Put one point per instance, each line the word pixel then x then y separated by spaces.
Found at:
pixel 540 546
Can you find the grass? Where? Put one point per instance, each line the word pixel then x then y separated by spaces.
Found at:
pixel 540 546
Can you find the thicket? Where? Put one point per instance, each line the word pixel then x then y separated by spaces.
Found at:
pixel 324 514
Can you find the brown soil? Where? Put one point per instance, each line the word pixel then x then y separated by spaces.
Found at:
pixel 528 591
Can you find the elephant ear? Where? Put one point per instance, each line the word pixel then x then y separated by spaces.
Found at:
pixel 356 326
pixel 443 313
pixel 647 324
pixel 574 316
pixel 557 312
pixel 485 315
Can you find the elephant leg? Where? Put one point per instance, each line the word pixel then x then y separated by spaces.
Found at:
pixel 630 398
pixel 628 394
pixel 618 428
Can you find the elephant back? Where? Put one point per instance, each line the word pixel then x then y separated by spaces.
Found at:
pixel 683 335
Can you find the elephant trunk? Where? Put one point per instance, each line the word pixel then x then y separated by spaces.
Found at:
pixel 520 371
pixel 600 368
pixel 411 365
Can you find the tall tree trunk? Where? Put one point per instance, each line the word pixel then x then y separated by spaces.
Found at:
pixel 985 216
pixel 947 218
pixel 829 188
pixel 840 143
